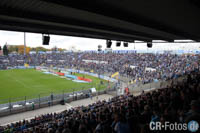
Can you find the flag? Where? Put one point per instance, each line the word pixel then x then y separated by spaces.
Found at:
pixel 115 75
pixel 26 65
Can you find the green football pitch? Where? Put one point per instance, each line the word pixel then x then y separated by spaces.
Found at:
pixel 18 83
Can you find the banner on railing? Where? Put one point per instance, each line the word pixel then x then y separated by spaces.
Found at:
pixel 21 67
pixel 93 74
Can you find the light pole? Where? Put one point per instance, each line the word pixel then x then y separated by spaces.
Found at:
pixel 24 43
pixel 24 47
pixel 99 51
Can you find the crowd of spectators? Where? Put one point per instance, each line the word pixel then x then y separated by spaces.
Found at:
pixel 138 67
pixel 122 114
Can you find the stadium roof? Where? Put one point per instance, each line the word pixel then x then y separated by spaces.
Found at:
pixel 126 20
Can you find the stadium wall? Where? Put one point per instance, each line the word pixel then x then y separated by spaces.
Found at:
pixel 156 85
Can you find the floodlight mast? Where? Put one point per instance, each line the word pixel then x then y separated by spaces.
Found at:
pixel 24 43
pixel 99 51
pixel 25 47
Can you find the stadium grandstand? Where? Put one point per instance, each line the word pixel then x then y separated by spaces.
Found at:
pixel 138 67
pixel 107 89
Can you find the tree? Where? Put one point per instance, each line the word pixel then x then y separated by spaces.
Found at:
pixel 54 48
pixel 5 50
pixel 33 49
pixel 39 49
pixel 21 49
pixel 61 49
pixel 0 51
pixel 28 50
pixel 17 49
pixel 11 48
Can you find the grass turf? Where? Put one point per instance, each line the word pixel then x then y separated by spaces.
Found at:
pixel 18 83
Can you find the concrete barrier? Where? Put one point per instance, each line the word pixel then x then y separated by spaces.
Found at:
pixel 139 87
